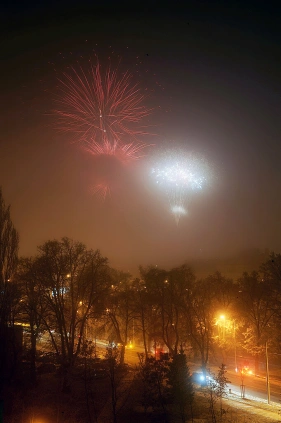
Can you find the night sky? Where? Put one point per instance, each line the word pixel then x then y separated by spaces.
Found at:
pixel 219 65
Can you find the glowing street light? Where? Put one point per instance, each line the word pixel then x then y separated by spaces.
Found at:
pixel 235 349
pixel 222 324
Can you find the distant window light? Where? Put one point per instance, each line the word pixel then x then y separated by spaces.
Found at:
pixel 61 291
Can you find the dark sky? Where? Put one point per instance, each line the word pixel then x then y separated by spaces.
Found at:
pixel 219 63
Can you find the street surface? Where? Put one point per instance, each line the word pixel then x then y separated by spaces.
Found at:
pixel 131 354
pixel 255 386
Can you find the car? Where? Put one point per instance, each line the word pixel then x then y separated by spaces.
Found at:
pixel 200 378
pixel 246 370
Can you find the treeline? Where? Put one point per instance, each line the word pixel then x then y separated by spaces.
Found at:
pixel 72 293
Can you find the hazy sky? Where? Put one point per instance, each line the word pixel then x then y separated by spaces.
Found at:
pixel 220 70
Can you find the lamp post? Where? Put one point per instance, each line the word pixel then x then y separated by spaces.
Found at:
pixel 133 331
pixel 235 349
pixel 267 375
pixel 222 318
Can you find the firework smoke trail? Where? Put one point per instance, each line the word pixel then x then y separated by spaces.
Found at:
pixel 100 106
pixel 178 211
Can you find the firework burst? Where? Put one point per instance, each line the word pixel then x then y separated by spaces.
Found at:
pixel 179 174
pixel 123 152
pixel 100 105
pixel 102 109
pixel 101 190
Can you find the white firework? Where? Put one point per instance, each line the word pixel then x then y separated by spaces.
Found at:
pixel 179 174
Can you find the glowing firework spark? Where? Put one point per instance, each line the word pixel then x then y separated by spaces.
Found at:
pixel 178 211
pixel 180 174
pixel 102 109
pixel 100 105
pixel 123 152
pixel 102 190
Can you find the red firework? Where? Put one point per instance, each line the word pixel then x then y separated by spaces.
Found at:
pixel 102 190
pixel 123 152
pixel 103 110
pixel 101 106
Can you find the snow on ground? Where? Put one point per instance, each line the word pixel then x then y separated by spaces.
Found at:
pixel 252 409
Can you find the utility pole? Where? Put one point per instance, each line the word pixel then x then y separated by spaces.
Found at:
pixel 133 332
pixel 267 375
pixel 235 348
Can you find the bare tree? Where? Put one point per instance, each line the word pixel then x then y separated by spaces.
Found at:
pixel 255 304
pixel 169 289
pixel 31 308
pixel 73 281
pixel 9 242
pixel 215 392
pixel 143 306
pixel 199 319
pixel 120 309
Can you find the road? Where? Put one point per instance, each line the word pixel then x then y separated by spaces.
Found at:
pixel 131 354
pixel 255 386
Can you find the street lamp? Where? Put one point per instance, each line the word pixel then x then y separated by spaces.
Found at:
pixel 224 325
pixel 133 331
pixel 222 318
pixel 235 349
pixel 267 375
